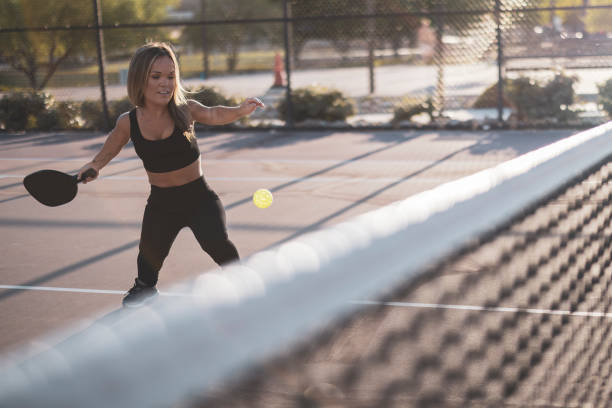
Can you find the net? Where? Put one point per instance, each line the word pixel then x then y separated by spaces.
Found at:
pixel 520 318
pixel 484 291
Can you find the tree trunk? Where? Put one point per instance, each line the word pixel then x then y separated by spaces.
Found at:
pixel 232 57
pixel 29 68
pixel 52 67
pixel 438 99
pixel 32 80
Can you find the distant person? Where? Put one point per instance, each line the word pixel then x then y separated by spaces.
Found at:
pixel 426 37
pixel 161 127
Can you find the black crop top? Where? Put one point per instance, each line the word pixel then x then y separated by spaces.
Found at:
pixel 159 156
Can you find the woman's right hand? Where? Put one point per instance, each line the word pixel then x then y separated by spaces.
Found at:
pixel 89 177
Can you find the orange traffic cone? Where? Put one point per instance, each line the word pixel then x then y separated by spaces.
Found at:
pixel 279 82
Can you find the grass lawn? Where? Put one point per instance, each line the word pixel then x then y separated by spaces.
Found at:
pixel 191 66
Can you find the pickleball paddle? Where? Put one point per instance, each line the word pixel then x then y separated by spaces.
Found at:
pixel 52 187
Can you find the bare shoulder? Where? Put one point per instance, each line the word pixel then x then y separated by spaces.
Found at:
pixel 123 120
pixel 122 126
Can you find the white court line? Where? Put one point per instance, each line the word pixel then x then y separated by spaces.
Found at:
pixel 287 161
pixel 356 161
pixel 359 302
pixel 485 309
pixel 62 159
pixel 279 179
pixel 79 290
pixel 319 179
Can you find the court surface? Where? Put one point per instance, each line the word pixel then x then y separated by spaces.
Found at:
pixel 67 266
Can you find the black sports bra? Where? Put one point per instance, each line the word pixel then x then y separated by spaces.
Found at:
pixel 160 156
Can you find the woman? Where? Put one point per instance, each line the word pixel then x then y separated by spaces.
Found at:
pixel 161 128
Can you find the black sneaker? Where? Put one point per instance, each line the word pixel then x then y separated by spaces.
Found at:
pixel 139 294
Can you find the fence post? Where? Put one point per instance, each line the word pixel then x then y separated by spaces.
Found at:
pixel 371 31
pixel 205 56
pixel 289 122
pixel 100 49
pixel 439 57
pixel 500 64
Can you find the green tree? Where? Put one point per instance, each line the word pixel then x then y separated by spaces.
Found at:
pixel 598 21
pixel 339 33
pixel 119 42
pixel 576 20
pixel 398 28
pixel 342 33
pixel 229 39
pixel 38 54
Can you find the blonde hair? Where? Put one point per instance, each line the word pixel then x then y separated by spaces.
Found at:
pixel 138 75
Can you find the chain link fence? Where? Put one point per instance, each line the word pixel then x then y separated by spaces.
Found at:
pixel 449 56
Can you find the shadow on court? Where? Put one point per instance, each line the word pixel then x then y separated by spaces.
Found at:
pixel 326 170
pixel 265 140
pixel 41 139
pixel 390 138
pixel 519 142
pixel 69 269
pixel 366 198
pixel 492 142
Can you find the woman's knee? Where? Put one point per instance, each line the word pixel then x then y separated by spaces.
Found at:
pixel 222 251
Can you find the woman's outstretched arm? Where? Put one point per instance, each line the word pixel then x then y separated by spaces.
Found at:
pixel 116 139
pixel 221 115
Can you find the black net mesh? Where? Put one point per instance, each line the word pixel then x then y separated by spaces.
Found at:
pixel 520 318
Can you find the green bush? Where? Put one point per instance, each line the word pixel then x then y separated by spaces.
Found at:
pixel 528 98
pixel 48 120
pixel 407 108
pixel 315 102
pixel 605 96
pixel 532 100
pixel 212 96
pixel 60 115
pixel 559 96
pixel 488 99
pixel 92 113
pixel 20 110
pixel 38 111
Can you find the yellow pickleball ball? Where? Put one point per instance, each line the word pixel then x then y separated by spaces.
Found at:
pixel 262 198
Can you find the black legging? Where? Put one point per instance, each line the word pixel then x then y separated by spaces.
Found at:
pixel 168 210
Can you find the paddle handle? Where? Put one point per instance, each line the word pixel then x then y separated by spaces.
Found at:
pixel 88 173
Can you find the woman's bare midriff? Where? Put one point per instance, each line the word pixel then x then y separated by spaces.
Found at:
pixel 177 177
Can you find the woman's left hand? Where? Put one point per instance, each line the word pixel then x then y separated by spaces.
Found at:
pixel 250 104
